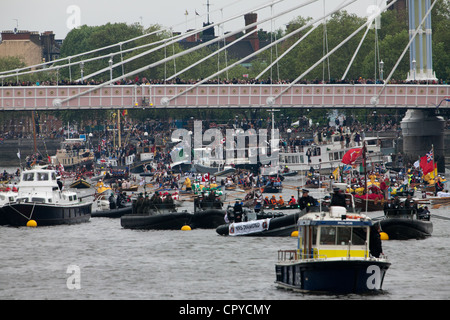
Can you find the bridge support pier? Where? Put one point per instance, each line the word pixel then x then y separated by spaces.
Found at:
pixel 421 130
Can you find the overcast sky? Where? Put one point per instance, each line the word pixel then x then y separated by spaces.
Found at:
pixel 60 15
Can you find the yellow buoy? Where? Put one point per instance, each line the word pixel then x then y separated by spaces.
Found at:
pixel 384 236
pixel 185 228
pixel 294 233
pixel 31 223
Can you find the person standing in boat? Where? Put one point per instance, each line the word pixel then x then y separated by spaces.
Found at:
pixel 306 201
pixel 389 207
pixel 410 204
pixel 337 199
pixel 237 212
pixel 375 247
pixel 438 185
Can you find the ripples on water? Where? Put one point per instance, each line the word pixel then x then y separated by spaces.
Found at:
pixel 117 263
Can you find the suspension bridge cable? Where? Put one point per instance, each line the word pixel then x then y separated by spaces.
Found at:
pixel 356 52
pixel 212 54
pixel 101 49
pixel 292 47
pixel 273 99
pixel 132 73
pixel 258 51
pixel 187 34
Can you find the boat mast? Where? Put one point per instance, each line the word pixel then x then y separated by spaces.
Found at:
pixel 34 130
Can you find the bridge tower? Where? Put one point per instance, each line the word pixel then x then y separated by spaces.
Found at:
pixel 421 52
pixel 422 129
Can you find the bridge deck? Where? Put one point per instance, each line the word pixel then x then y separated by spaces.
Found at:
pixel 223 96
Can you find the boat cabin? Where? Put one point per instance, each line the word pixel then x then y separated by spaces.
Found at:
pixel 333 234
pixel 43 186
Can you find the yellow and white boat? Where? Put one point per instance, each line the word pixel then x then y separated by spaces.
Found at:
pixel 337 252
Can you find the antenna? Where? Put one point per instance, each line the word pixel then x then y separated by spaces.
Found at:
pixel 207 10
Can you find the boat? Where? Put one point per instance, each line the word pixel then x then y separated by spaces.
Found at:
pixel 369 203
pixel 405 223
pixel 80 184
pixel 328 156
pixel 105 207
pixel 208 212
pixel 273 187
pixel 266 225
pixel 40 198
pixel 73 153
pixel 336 253
pixel 155 217
pixel 224 172
pixel 5 198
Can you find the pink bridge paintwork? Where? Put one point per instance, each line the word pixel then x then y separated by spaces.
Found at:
pixel 222 96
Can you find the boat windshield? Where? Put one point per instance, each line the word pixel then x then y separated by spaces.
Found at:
pixel 29 176
pixel 340 235
pixel 42 176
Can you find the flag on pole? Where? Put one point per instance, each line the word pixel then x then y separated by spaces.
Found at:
pixel 186 13
pixel 426 163
pixel 196 13
pixel 352 155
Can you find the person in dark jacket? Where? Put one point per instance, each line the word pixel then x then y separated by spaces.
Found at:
pixel 337 199
pixel 375 246
pixel 306 201
pixel 237 212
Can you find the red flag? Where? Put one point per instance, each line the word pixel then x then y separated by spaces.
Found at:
pixel 426 163
pixel 352 155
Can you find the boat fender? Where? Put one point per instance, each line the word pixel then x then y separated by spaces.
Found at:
pixel 32 223
pixel 186 228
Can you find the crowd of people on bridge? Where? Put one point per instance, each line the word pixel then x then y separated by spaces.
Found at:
pixel 237 81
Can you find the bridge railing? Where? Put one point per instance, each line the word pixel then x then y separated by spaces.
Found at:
pixel 223 96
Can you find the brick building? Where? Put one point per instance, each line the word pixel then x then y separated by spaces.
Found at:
pixel 32 47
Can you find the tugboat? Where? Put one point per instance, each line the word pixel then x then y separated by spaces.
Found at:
pixel 337 253
pixel 40 198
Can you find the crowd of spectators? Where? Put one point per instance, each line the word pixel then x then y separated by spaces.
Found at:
pixel 179 81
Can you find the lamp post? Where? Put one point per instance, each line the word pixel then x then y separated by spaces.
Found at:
pixel 110 68
pixel 82 71
pixel 381 70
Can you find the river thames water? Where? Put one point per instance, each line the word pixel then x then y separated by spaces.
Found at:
pixel 115 263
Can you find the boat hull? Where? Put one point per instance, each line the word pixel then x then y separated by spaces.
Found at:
pixel 156 221
pixel 404 228
pixel 276 227
pixel 332 276
pixel 270 189
pixel 208 219
pixel 112 213
pixel 18 214
pixel 80 184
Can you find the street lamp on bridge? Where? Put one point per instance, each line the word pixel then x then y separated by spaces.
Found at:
pixel 381 70
pixel 110 68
